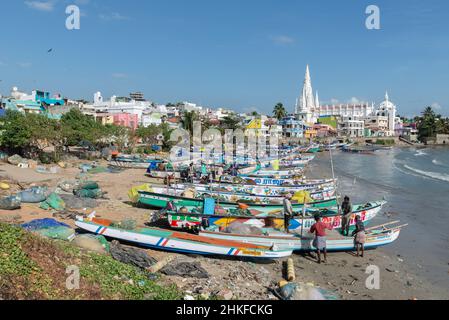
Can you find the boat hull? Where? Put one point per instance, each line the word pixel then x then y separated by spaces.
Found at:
pixel 169 241
pixel 186 221
pixel 158 200
pixel 305 243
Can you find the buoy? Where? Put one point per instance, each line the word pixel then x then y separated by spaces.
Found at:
pixel 282 283
pixel 290 270
pixel 4 186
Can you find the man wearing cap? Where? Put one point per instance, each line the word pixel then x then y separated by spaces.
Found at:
pixel 288 211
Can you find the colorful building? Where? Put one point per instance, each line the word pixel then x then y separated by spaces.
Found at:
pixel 126 120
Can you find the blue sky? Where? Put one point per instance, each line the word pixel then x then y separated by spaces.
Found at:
pixel 240 54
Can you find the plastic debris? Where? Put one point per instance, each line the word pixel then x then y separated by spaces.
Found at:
pixel 33 195
pixel 133 194
pixel 15 160
pixel 126 224
pixel 304 291
pixel 68 185
pixel 89 193
pixel 186 269
pixel 10 203
pixel 4 186
pixel 130 255
pixel 91 242
pixel 73 202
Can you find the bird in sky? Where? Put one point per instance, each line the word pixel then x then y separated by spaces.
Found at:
pixel 50 50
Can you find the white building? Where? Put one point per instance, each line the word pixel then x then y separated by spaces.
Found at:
pixel 350 126
pixel 308 110
pixel 356 110
pixel 388 109
pixel 117 105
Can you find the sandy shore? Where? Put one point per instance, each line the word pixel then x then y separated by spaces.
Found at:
pixel 344 274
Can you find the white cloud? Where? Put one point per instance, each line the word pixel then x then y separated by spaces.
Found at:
pixel 354 100
pixel 335 101
pixel 2 64
pixel 118 75
pixel 41 5
pixel 436 106
pixel 282 39
pixel 24 64
pixel 112 16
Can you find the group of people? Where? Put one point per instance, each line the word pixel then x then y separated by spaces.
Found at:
pixel 319 228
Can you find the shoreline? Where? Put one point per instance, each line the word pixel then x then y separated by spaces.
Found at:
pixel 344 274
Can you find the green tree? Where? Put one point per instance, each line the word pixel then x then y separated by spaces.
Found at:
pixel 230 122
pixel 188 119
pixel 78 127
pixel 149 134
pixel 15 134
pixel 427 123
pixel 279 111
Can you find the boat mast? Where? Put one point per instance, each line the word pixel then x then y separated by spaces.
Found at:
pixel 333 178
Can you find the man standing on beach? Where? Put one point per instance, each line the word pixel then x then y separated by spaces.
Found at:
pixel 288 211
pixel 319 229
pixel 360 236
pixel 346 208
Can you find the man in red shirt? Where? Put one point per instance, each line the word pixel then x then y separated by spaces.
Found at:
pixel 319 229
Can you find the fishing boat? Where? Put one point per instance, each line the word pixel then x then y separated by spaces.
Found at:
pixel 360 150
pixel 285 174
pixel 326 189
pixel 134 162
pixel 232 196
pixel 375 237
pixel 161 200
pixel 261 194
pixel 294 183
pixel 252 217
pixel 179 242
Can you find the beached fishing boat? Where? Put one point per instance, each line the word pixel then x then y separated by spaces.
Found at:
pixel 260 194
pixel 161 200
pixel 129 162
pixel 326 189
pixel 375 237
pixel 294 183
pixel 182 220
pixel 285 174
pixel 179 242
pixel 202 191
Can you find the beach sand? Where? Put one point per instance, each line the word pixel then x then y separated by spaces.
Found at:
pixel 343 274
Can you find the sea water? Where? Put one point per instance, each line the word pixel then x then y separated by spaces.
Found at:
pixel 415 182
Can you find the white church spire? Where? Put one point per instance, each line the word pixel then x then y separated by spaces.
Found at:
pixel 307 102
pixel 317 101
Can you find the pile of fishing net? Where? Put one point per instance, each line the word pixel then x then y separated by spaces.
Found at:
pixel 50 228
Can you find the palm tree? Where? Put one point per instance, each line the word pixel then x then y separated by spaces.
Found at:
pixel 279 111
pixel 230 122
pixel 427 123
pixel 187 120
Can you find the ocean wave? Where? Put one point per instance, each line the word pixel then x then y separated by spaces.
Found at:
pixel 439 163
pixel 429 174
pixel 420 153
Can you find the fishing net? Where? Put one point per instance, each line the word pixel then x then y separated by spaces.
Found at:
pixel 53 201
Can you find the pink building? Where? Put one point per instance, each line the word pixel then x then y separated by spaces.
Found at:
pixel 126 120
